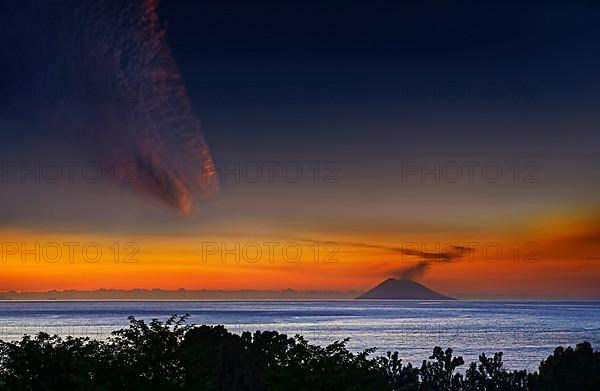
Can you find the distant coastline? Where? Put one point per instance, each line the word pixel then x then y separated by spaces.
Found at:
pixel 180 294
pixel 241 294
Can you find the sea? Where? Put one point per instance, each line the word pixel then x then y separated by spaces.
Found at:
pixel 525 331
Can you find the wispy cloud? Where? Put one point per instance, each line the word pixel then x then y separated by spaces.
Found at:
pixel 426 258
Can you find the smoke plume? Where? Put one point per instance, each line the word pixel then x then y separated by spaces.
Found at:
pixel 426 258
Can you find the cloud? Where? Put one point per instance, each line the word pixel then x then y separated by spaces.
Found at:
pixel 100 76
pixel 426 258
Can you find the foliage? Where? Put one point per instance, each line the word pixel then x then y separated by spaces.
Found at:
pixel 569 369
pixel 176 356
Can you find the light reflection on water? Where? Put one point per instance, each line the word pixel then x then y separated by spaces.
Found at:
pixel 526 332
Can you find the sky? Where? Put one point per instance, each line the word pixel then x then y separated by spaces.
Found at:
pixel 223 145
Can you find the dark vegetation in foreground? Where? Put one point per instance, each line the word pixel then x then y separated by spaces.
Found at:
pixel 177 356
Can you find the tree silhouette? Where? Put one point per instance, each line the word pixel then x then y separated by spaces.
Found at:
pixel 569 369
pixel 176 356
pixel 439 374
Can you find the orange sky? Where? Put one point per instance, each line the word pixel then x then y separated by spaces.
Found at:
pixel 553 256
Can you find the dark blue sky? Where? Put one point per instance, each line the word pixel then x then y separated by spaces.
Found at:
pixel 367 85
pixel 262 75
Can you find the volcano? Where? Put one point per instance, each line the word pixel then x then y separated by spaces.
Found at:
pixel 405 289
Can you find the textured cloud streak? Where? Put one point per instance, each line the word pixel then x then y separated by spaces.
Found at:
pixel 426 258
pixel 122 95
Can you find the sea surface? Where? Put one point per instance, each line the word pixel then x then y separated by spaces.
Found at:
pixel 526 332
